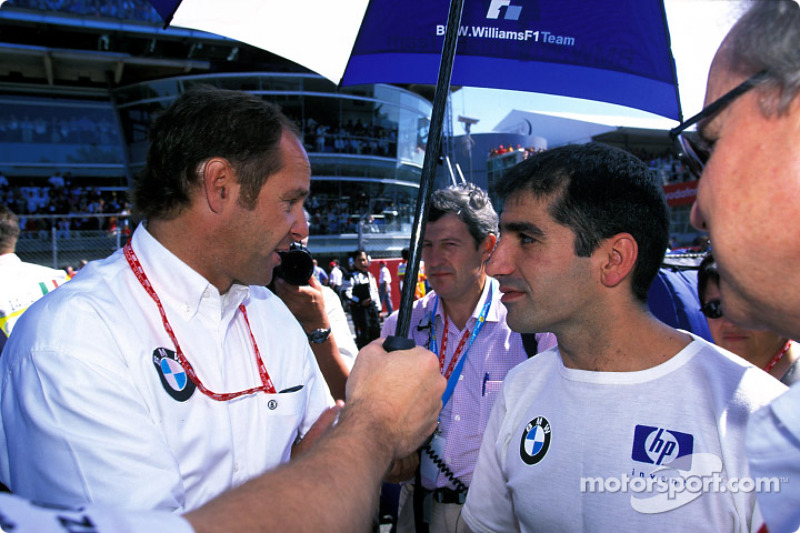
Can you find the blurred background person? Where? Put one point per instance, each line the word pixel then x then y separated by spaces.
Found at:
pixel 320 274
pixel 21 283
pixel 335 276
pixel 385 288
pixel 362 292
pixel 776 355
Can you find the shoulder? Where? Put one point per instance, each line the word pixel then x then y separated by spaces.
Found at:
pixel 541 366
pixel 418 311
pixel 732 379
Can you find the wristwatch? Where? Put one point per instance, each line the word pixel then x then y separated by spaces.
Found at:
pixel 318 336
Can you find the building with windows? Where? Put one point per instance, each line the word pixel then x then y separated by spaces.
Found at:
pixel 81 80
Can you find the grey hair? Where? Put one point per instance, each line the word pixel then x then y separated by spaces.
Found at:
pixel 767 37
pixel 472 206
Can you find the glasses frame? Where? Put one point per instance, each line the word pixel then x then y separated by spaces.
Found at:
pixel 690 154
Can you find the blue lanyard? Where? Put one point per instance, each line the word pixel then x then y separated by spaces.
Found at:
pixel 434 346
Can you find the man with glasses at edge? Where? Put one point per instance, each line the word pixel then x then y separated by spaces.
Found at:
pixel 750 166
pixel 168 373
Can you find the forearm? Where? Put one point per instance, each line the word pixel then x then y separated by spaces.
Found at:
pixel 332 366
pixel 334 487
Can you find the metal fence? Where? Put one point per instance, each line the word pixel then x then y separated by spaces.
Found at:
pixel 61 240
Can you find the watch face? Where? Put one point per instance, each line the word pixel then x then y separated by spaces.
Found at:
pixel 319 335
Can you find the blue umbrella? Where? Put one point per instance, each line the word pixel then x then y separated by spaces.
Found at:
pixel 614 51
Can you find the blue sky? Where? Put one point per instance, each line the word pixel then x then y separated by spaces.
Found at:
pixel 696 28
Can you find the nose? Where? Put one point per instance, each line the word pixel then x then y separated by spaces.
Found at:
pixel 696 217
pixel 431 256
pixel 299 229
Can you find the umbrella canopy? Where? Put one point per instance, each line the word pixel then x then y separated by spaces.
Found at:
pixel 615 51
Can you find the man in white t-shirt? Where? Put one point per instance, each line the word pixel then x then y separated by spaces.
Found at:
pixel 335 277
pixel 615 426
pixel 385 288
pixel 21 283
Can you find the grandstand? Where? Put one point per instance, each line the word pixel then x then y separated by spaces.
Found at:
pixel 80 81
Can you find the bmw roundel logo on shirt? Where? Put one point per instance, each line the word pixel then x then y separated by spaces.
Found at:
pixel 535 440
pixel 172 375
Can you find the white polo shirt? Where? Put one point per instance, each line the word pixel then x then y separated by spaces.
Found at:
pixel 94 409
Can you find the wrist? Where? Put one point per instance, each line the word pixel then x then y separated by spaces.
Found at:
pixel 319 335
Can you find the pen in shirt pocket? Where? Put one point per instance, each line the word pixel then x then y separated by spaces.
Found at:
pixel 485 380
pixel 291 389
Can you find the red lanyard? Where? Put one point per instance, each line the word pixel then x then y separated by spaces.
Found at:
pixel 443 350
pixel 267 386
pixel 778 357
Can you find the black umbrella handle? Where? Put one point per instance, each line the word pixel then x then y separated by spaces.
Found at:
pixel 394 343
pixel 429 166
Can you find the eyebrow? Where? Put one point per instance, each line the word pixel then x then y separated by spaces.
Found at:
pixel 296 193
pixel 521 227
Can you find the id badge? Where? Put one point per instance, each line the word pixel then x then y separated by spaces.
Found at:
pixel 428 468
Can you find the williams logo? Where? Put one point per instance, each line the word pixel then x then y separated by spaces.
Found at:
pixel 659 446
pixel 535 440
pixel 512 12
pixel 172 375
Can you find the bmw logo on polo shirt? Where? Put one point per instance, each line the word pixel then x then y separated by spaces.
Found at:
pixel 173 377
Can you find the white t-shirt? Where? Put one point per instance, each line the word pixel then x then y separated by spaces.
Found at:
pixel 385 276
pixel 21 284
pixel 336 276
pixel 94 407
pixel 573 450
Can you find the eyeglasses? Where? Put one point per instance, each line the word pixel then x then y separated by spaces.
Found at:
pixel 693 151
pixel 712 309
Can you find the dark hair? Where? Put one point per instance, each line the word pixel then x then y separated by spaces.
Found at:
pixel 472 206
pixel 598 191
pixel 9 229
pixel 767 37
pixel 202 123
pixel 707 271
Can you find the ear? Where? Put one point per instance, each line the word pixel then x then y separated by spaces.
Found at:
pixel 617 257
pixel 488 247
pixel 218 181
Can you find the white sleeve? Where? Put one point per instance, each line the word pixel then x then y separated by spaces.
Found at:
pixel 340 329
pixel 78 429
pixel 489 507
pixel 21 516
pixel 373 291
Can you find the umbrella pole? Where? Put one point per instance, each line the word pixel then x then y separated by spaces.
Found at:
pixel 400 339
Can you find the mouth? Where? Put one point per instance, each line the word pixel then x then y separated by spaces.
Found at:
pixel 510 294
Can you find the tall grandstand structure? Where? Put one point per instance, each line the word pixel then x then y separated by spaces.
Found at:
pixel 81 80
